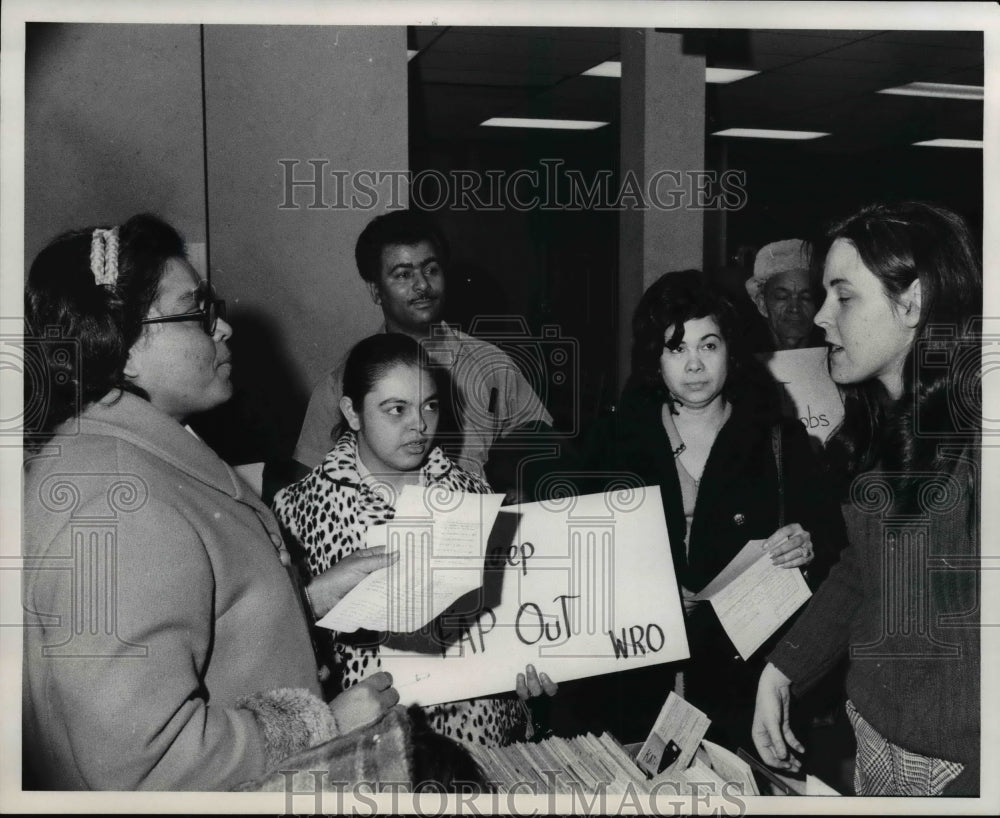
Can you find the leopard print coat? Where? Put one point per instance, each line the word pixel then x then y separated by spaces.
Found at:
pixel 328 512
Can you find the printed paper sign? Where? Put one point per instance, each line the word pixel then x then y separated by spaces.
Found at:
pixel 809 392
pixel 577 586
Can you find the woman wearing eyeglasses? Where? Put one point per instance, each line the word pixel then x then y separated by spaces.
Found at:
pixel 165 645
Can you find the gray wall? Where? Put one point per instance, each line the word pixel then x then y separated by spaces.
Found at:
pixel 299 93
pixel 114 126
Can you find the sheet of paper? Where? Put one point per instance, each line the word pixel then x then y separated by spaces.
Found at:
pixel 675 737
pixel 753 597
pixel 811 786
pixel 698 780
pixel 815 786
pixel 749 554
pixel 253 474
pixel 441 540
pixel 808 391
pixel 730 767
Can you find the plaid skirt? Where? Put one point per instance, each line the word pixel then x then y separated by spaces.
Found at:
pixel 884 768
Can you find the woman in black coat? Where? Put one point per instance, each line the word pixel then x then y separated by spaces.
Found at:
pixel 701 419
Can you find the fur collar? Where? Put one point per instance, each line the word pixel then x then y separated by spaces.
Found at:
pixel 341 464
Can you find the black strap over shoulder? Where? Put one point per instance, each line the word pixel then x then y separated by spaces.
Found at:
pixel 776 446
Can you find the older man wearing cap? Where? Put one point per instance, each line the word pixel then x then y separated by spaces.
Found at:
pixel 781 289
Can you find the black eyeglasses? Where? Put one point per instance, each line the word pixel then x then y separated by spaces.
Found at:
pixel 209 313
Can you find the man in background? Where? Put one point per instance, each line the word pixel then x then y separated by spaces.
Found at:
pixel 401 257
pixel 781 289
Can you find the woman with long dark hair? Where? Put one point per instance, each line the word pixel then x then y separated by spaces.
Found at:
pixel 701 418
pixel 903 290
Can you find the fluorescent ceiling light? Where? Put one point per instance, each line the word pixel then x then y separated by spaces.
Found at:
pixel 764 133
pixel 937 89
pixel 411 53
pixel 723 75
pixel 951 143
pixel 562 124
pixel 611 68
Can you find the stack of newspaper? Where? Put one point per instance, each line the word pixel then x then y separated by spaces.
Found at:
pixel 591 765
pixel 584 764
pixel 674 758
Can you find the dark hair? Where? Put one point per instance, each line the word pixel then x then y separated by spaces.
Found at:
pixel 684 295
pixel 398 227
pixel 372 357
pixel 79 333
pixel 899 243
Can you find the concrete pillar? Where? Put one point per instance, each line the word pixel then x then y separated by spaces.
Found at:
pixel 663 129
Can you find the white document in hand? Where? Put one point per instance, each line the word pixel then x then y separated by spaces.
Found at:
pixel 753 597
pixel 441 539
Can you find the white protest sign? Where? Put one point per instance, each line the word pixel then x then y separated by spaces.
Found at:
pixel 577 586
pixel 813 396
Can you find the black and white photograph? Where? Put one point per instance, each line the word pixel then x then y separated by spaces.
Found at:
pixel 476 408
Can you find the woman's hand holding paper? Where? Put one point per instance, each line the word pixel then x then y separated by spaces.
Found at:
pixel 531 684
pixel 790 547
pixel 327 589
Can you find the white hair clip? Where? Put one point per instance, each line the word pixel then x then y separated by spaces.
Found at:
pixel 104 256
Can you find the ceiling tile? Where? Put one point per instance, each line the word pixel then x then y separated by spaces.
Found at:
pixel 972 40
pixel 820 79
pixel 875 50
